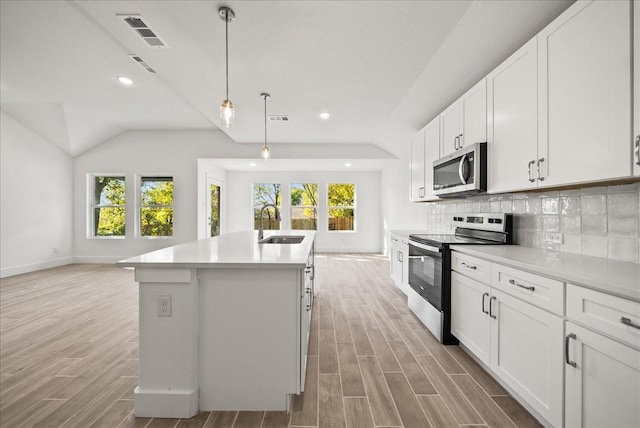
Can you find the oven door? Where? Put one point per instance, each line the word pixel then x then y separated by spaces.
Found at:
pixel 425 272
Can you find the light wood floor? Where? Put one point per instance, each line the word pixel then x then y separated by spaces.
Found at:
pixel 68 357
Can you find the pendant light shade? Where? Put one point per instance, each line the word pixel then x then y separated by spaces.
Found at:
pixel 266 153
pixel 227 111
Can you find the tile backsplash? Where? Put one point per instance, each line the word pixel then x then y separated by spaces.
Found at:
pixel 596 221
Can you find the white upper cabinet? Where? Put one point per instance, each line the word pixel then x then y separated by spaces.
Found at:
pixel 512 131
pixel 417 167
pixel 584 90
pixel 425 148
pixel 636 85
pixel 465 121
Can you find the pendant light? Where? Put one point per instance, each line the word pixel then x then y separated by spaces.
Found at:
pixel 227 111
pixel 266 153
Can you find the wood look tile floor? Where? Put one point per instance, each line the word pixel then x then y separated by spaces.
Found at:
pixel 68 357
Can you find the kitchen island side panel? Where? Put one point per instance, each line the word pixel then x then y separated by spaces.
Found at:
pixel 249 338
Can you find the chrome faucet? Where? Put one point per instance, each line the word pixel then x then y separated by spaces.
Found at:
pixel 261 230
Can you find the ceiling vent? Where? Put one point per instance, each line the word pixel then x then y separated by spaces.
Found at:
pixel 278 118
pixel 142 64
pixel 142 29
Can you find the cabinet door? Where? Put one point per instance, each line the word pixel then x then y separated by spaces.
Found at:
pixel 396 262
pixel 470 322
pixel 431 154
pixel 636 86
pixel 417 167
pixel 474 115
pixel 526 353
pixel 585 93
pixel 513 121
pixel 603 389
pixel 450 128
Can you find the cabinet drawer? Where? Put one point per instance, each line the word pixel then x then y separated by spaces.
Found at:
pixel 473 267
pixel 605 313
pixel 543 292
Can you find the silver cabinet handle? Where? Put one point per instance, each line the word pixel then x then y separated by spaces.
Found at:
pixel 400 256
pixel 421 192
pixel 566 350
pixel 460 140
pixel 627 321
pixel 529 171
pixel 468 266
pixel 483 307
pixel 461 167
pixel 308 290
pixel 637 150
pixel 455 142
pixel 526 287
pixel 491 306
pixel 540 178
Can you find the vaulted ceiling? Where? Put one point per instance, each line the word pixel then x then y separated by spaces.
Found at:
pixel 380 68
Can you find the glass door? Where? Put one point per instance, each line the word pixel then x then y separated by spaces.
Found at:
pixel 214 195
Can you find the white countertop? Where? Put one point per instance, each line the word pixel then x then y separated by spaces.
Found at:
pixel 406 233
pixel 233 250
pixel 609 276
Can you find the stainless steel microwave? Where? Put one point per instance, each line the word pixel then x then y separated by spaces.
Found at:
pixel 461 173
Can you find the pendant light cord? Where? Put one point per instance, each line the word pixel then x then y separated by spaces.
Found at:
pixel 226 38
pixel 265 120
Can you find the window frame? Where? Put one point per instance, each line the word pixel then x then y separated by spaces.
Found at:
pixel 140 178
pixel 316 207
pixel 345 207
pixel 92 205
pixel 256 207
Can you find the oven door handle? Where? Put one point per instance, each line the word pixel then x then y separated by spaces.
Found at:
pixel 429 248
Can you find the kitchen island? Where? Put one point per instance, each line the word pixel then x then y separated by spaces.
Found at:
pixel 224 324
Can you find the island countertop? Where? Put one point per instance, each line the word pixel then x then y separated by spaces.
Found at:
pixel 232 250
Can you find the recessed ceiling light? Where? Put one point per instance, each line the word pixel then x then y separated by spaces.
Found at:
pixel 347 164
pixel 252 164
pixel 125 80
pixel 325 116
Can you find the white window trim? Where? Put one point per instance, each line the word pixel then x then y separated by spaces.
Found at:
pixel 281 207
pixel 344 207
pixel 139 205
pixel 291 207
pixel 91 205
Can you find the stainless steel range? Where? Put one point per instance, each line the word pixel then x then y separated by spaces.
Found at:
pixel 430 266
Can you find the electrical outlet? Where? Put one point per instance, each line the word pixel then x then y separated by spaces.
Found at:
pixel 553 238
pixel 164 306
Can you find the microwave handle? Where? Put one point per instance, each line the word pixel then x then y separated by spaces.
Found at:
pixel 461 169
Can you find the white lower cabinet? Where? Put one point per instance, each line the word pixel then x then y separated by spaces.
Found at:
pixel 602 381
pixel 521 343
pixel 399 262
pixel 526 353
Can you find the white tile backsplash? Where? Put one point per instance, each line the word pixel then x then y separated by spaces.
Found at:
pixel 597 221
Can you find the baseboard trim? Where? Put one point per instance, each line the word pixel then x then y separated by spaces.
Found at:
pixel 32 267
pixel 98 259
pixel 182 404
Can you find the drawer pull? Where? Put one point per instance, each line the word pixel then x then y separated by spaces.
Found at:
pixel 468 266
pixel 526 287
pixel 483 306
pixel 491 307
pixel 567 339
pixel 627 321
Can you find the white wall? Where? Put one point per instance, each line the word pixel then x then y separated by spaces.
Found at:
pixel 36 184
pixel 397 212
pixel 137 153
pixel 366 238
pixel 183 155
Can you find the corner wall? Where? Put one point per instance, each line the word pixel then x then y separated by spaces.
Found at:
pixel 366 238
pixel 36 183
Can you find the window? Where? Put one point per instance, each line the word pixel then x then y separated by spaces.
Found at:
pixel 341 206
pixel 156 206
pixel 266 193
pixel 108 206
pixel 304 206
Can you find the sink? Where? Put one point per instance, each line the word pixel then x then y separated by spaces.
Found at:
pixel 282 239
